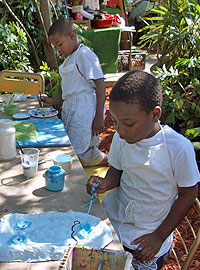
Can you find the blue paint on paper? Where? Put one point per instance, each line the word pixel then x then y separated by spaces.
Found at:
pixel 50 132
pixel 18 239
pixel 23 224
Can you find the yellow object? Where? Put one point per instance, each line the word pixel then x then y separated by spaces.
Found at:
pixel 97 171
pixel 9 83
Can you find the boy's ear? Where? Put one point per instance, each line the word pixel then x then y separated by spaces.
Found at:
pixel 156 114
pixel 72 35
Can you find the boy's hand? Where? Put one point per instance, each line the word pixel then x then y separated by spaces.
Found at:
pixel 94 180
pixel 149 245
pixel 47 101
pixel 97 126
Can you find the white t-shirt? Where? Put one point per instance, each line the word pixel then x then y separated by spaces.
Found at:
pixel 153 169
pixel 181 153
pixel 83 62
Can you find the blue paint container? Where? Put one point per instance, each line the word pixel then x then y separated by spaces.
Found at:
pixel 54 178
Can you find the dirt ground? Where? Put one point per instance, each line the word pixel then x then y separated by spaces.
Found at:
pixel 106 138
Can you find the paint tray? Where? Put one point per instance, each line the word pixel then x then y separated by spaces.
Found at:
pixel 87 258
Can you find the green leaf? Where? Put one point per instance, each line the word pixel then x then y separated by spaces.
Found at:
pixel 158 11
pixel 154 19
pixel 196 146
pixel 179 104
pixel 192 133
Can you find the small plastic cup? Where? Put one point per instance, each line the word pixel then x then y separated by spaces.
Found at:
pixel 10 109
pixel 65 162
pixel 29 161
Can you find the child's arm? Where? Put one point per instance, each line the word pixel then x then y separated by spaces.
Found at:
pixel 48 101
pixel 151 243
pixel 110 181
pixel 98 122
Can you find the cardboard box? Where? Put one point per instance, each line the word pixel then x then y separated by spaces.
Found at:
pixel 87 258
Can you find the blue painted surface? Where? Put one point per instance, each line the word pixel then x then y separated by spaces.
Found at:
pixel 50 132
pixel 23 224
pixel 18 239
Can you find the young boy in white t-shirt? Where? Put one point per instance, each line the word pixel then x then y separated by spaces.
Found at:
pixel 83 93
pixel 153 176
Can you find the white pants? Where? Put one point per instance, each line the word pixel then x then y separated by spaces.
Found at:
pixel 78 112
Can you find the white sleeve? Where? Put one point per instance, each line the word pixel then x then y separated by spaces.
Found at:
pixel 89 64
pixel 185 166
pixel 114 155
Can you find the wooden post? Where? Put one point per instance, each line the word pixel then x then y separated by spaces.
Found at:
pixel 125 36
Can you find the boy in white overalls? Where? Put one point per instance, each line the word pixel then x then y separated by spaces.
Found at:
pixel 83 93
pixel 153 174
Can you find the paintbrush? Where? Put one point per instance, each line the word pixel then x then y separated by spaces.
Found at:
pixel 20 147
pixel 41 102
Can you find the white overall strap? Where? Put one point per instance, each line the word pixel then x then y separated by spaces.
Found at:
pixel 167 151
pixel 75 62
pixel 77 67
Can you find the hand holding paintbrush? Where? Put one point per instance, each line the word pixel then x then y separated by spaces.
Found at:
pixel 41 100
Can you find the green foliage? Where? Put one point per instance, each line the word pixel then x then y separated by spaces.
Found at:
pixel 26 12
pixel 181 103
pixel 192 133
pixel 52 80
pixel 14 50
pixel 175 29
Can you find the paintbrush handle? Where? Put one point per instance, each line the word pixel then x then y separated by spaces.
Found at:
pixel 20 147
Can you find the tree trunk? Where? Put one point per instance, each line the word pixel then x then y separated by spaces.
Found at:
pixel 49 51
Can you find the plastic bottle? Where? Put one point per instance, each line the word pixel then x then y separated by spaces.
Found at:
pixel 7 140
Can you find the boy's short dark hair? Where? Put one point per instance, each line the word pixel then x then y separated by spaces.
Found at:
pixel 62 27
pixel 138 87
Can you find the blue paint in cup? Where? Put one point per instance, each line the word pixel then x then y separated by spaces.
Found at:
pixel 64 161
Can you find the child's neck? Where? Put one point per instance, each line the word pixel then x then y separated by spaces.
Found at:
pixel 156 129
pixel 76 47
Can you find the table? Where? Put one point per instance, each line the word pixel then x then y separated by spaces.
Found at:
pixel 23 106
pixel 19 195
pixel 56 136
pixel 129 30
